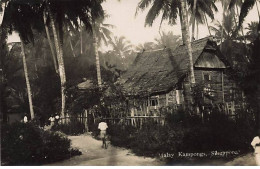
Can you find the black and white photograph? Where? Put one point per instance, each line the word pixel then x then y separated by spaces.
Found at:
pixel 130 82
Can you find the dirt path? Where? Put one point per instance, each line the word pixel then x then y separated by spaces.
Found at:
pixel 94 155
pixel 245 160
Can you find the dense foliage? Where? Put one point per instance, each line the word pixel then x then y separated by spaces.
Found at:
pixel 27 144
pixel 185 133
pixel 74 127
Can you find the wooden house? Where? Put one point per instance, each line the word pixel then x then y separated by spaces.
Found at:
pixel 160 78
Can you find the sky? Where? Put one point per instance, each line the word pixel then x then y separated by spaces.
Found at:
pixel 122 16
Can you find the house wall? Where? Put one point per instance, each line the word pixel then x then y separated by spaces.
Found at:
pixel 214 84
pixel 224 89
pixel 232 97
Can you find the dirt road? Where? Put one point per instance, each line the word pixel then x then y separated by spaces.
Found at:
pixel 94 155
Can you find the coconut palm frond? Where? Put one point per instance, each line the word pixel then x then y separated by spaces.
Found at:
pixel 245 8
pixel 154 12
pixel 143 4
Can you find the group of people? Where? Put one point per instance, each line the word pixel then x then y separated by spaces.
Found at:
pixel 54 120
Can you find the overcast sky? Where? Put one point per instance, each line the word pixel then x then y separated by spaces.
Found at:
pixel 122 15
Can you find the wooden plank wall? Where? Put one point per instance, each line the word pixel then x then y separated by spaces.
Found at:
pixel 215 83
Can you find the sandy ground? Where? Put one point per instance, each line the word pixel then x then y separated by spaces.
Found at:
pixel 94 155
pixel 245 160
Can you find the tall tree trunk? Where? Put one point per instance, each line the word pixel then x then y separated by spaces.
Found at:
pixel 256 3
pixel 182 26
pixel 257 111
pixel 3 12
pixel 71 47
pixel 50 43
pixel 3 83
pixel 186 35
pixel 193 20
pixel 29 92
pixel 81 40
pixel 197 23
pixel 206 20
pixel 95 45
pixel 60 63
pixel 222 29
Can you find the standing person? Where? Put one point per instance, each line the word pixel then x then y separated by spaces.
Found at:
pixel 52 120
pixel 25 119
pixel 256 145
pixel 102 126
pixel 57 117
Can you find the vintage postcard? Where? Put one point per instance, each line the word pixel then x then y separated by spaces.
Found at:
pixel 130 82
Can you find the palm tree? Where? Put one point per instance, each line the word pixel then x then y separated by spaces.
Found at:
pixel 246 6
pixel 2 10
pixel 170 10
pixel 100 32
pixel 22 17
pixel 252 33
pixel 224 31
pixel 121 49
pixel 92 40
pixel 200 11
pixel 59 50
pixel 224 13
pixel 145 46
pixel 235 13
pixel 194 7
pixel 73 11
pixel 27 81
pixel 168 40
pixel 121 46
pixel 95 45
pixel 186 34
pixel 50 42
pixel 256 4
pixel 5 71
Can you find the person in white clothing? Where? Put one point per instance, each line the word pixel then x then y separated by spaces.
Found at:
pixel 25 119
pixel 52 120
pixel 256 145
pixel 102 126
pixel 56 121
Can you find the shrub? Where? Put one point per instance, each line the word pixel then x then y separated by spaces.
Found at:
pixel 95 131
pixel 74 127
pixel 27 144
pixel 186 133
pixel 121 135
pixel 153 139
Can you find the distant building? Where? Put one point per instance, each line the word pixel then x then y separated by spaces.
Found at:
pixel 160 78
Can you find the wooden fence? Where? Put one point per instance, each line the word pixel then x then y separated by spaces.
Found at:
pixel 136 121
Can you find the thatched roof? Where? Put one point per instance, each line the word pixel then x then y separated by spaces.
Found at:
pixel 160 70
